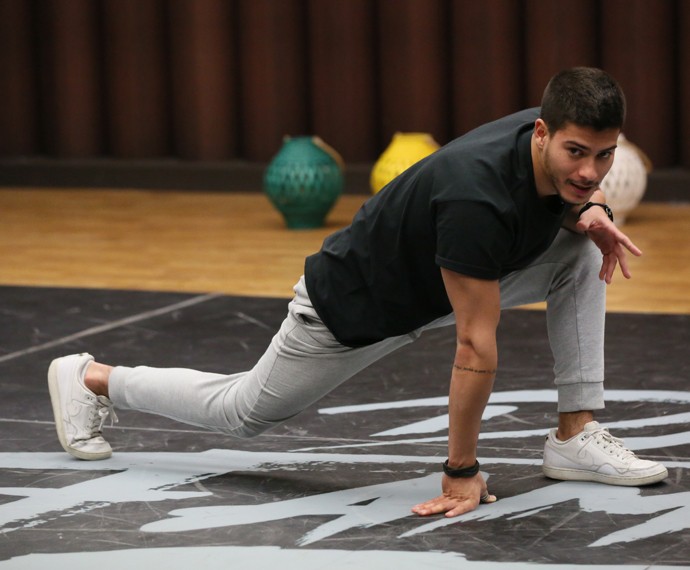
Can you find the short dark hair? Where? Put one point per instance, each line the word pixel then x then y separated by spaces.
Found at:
pixel 584 96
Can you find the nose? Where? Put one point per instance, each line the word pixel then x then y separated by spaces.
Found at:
pixel 588 170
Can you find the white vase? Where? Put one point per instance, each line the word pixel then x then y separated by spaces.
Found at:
pixel 626 182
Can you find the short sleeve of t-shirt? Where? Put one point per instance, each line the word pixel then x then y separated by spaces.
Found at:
pixel 471 239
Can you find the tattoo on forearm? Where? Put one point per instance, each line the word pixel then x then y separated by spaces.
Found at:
pixel 475 370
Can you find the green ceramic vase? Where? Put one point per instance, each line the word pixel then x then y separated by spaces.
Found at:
pixel 303 181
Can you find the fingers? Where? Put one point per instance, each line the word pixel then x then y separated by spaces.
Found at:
pixel 609 263
pixel 446 505
pixel 623 261
pixel 613 244
pixel 426 509
pixel 608 267
pixel 626 242
pixel 488 498
pixel 632 248
pixel 460 510
pixel 433 507
pixel 603 272
pixel 450 506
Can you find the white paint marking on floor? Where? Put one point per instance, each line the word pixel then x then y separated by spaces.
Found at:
pixel 110 326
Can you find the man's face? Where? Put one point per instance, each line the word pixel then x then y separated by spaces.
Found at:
pixel 573 160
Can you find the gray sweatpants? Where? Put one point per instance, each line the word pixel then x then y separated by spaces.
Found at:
pixel 304 361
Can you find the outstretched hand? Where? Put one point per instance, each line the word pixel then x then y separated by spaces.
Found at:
pixel 612 242
pixel 460 495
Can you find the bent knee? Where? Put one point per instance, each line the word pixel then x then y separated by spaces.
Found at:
pixel 249 428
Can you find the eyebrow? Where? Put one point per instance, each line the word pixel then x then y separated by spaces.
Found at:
pixel 584 147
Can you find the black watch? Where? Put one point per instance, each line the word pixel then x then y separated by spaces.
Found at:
pixel 588 205
pixel 462 471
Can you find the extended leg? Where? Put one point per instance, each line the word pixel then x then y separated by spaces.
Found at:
pixel 302 364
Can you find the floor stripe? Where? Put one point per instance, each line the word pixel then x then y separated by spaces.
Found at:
pixel 110 326
pixel 119 427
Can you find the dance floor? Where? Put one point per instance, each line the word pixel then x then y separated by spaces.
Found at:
pixel 333 486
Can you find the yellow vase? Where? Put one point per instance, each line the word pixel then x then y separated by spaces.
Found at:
pixel 403 151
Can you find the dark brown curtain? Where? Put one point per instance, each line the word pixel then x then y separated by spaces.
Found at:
pixel 228 79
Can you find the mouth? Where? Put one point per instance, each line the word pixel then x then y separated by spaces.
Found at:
pixel 583 189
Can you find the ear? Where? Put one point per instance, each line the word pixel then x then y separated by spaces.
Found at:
pixel 541 132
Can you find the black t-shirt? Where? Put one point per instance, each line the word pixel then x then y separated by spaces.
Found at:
pixel 471 207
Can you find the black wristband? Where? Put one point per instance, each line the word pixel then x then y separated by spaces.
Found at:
pixel 462 471
pixel 588 205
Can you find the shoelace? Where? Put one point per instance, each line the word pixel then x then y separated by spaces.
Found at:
pixel 105 411
pixel 611 444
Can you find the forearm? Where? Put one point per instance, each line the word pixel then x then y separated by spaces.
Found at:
pixel 477 308
pixel 471 384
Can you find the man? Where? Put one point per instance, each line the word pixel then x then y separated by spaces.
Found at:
pixel 509 214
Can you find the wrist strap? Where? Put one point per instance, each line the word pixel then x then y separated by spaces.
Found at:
pixel 462 471
pixel 588 205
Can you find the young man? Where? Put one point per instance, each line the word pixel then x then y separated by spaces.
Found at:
pixel 509 214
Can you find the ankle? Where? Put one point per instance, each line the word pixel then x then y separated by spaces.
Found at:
pixel 96 378
pixel 572 423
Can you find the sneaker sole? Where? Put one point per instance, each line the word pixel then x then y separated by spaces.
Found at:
pixel 54 390
pixel 563 474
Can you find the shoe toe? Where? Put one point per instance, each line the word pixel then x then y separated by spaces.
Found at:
pixel 646 467
pixel 94 448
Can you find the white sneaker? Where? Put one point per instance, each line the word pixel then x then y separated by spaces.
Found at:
pixel 595 455
pixel 79 413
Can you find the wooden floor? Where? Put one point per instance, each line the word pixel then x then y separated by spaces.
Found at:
pixel 237 244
